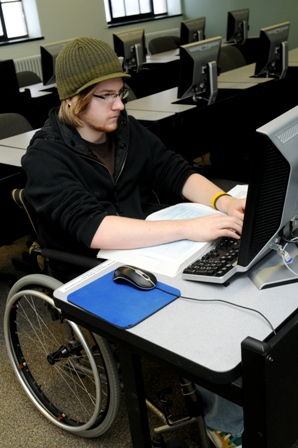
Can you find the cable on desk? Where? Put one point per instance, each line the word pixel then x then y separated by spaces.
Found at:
pixel 225 302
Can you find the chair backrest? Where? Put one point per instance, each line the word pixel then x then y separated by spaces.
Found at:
pixel 230 58
pixel 163 43
pixel 27 78
pixel 13 124
pixel 69 264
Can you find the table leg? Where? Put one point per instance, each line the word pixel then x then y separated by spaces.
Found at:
pixel 132 376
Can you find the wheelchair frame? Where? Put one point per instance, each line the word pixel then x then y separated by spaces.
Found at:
pixel 69 373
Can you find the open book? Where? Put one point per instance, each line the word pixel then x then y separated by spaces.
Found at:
pixel 171 258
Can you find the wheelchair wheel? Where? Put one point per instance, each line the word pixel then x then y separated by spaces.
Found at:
pixel 69 373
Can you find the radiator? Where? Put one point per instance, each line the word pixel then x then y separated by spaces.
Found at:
pixel 171 32
pixel 31 63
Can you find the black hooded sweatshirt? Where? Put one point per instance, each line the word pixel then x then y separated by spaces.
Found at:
pixel 72 192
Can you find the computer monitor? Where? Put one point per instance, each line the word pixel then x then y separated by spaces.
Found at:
pixel 8 78
pixel 238 26
pixel 131 46
pixel 48 54
pixel 272 56
pixel 192 30
pixel 272 198
pixel 199 70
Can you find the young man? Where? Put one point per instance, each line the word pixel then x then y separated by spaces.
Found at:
pixel 92 170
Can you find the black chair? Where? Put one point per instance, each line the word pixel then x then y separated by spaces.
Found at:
pixel 163 43
pixel 230 58
pixel 27 78
pixel 12 124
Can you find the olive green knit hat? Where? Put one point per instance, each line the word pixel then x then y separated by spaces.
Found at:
pixel 84 62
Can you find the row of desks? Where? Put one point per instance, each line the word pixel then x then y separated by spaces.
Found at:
pixel 159 106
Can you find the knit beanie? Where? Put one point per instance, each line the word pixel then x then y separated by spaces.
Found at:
pixel 84 62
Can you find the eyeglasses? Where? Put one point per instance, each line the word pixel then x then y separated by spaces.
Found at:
pixel 111 97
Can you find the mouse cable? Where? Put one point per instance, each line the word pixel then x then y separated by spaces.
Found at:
pixel 222 301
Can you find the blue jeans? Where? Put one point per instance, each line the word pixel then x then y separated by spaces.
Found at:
pixel 221 414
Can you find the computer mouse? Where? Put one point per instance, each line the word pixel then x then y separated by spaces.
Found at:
pixel 137 277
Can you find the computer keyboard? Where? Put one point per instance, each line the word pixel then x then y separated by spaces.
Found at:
pixel 216 265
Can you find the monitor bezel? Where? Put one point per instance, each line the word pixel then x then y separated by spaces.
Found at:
pixel 194 59
pixel 48 56
pixel 189 27
pixel 272 200
pixel 237 26
pixel 271 38
pixel 130 45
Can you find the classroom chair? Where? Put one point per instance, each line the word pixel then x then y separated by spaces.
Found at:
pixel 27 78
pixel 163 43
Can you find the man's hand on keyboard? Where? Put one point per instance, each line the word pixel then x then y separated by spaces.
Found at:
pixel 211 227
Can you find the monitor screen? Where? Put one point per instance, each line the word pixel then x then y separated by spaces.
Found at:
pixel 238 26
pixel 272 199
pixel 130 45
pixel 8 78
pixel 48 54
pixel 192 30
pixel 272 56
pixel 199 70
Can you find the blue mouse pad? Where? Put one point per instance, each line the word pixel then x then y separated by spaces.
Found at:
pixel 121 304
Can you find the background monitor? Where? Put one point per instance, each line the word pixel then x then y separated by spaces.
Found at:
pixel 192 30
pixel 272 199
pixel 238 26
pixel 8 78
pixel 48 54
pixel 199 70
pixel 272 56
pixel 131 46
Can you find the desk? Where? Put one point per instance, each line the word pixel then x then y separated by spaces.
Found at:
pixel 159 102
pixel 43 98
pixel 202 342
pixel 243 74
pixel 20 141
pixel 227 116
pixel 163 58
pixel 160 72
pixel 39 89
pixel 11 156
pixel 293 56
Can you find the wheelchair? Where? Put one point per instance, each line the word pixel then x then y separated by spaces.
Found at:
pixel 70 374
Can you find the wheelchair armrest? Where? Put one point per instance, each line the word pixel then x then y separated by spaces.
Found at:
pixel 66 257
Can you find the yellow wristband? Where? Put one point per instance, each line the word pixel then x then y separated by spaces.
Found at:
pixel 216 197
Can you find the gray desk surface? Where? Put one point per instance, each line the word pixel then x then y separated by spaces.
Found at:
pixel 165 101
pixel 11 156
pixel 293 56
pixel 149 115
pixel 159 102
pixel 39 90
pixel 20 141
pixel 161 58
pixel 243 75
pixel 207 333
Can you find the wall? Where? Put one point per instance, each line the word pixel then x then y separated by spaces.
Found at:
pixel 262 13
